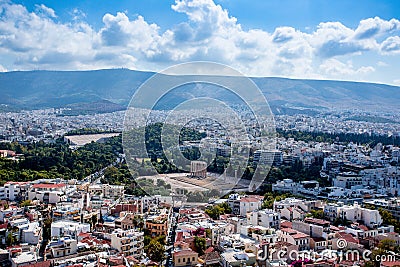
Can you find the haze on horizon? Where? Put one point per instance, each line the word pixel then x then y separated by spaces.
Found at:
pixel 307 39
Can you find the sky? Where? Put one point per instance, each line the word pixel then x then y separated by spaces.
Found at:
pixel 307 39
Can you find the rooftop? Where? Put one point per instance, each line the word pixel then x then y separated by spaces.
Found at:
pixel 48 186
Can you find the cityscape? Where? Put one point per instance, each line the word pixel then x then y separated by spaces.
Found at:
pixel 136 137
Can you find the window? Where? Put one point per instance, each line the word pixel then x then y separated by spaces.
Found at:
pixel 183 259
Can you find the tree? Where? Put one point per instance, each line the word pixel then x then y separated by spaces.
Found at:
pixel 208 233
pixel 341 221
pixel 200 244
pixel 388 245
pixel 388 219
pixel 217 210
pixel 10 240
pixel 47 228
pixel 270 197
pixel 155 250
pixel 317 214
pixel 94 220
pixel 376 256
pixel 26 203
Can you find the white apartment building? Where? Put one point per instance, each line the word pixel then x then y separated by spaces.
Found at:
pixel 113 191
pixel 264 218
pixel 107 190
pixel 286 185
pixel 295 238
pixel 348 181
pixel 355 212
pixel 250 203
pixel 13 190
pixel 31 233
pixel 234 203
pixel 48 193
pixel 62 246
pixel 216 229
pixel 68 228
pixel 128 242
pixel 304 205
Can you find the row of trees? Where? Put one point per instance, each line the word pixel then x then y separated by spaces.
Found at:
pixel 53 160
pixel 216 210
pixel 84 131
pixel 364 138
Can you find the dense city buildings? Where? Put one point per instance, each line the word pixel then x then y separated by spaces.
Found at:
pixel 319 195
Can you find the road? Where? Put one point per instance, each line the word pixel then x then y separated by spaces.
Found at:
pixel 169 247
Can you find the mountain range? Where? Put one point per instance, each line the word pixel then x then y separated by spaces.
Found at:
pixel 112 89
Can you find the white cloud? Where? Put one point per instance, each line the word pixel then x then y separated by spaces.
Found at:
pixel 77 14
pixel 46 11
pixel 37 40
pixel 2 69
pixel 120 31
pixel 382 64
pixel 334 68
pixel 372 27
pixel 334 39
pixel 391 45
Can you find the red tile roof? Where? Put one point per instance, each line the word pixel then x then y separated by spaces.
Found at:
pixel 286 224
pixel 184 252
pixel 316 221
pixel 348 237
pixel 250 199
pixel 289 230
pixel 363 227
pixel 20 183
pixel 300 235
pixel 390 263
pixel 209 250
pixel 49 185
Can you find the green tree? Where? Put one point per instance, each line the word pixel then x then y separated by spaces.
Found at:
pixel 388 245
pixel 208 233
pixel 217 210
pixel 388 219
pixel 10 240
pixel 317 214
pixel 200 244
pixel 26 203
pixel 155 250
pixel 47 228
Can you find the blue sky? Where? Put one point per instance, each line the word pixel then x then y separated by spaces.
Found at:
pixel 345 40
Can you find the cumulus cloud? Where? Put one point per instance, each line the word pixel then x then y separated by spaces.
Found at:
pixel 120 31
pixel 46 11
pixel 77 14
pixel 372 27
pixel 36 39
pixel 283 34
pixel 335 39
pixel 335 68
pixel 391 45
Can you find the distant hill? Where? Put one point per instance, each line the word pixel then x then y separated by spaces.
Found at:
pixel 109 90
